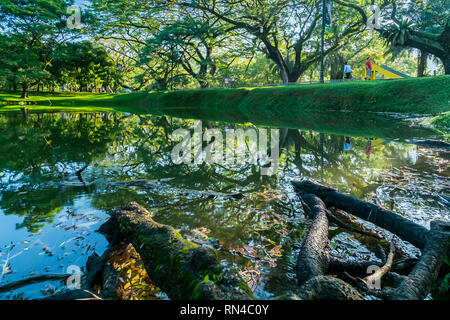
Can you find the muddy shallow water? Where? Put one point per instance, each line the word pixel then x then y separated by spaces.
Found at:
pixel 49 214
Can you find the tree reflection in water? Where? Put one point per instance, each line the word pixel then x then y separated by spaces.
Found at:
pixel 49 160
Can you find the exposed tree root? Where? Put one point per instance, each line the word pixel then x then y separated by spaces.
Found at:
pixel 314 258
pixel 398 225
pixel 328 288
pixel 422 278
pixel 332 218
pixel 314 261
pixel 377 275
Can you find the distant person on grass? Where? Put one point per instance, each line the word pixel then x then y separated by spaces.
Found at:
pixel 368 69
pixel 347 71
pixel 226 82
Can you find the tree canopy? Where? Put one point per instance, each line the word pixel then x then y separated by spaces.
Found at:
pixel 161 45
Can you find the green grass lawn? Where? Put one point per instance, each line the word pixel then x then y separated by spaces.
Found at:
pixel 420 95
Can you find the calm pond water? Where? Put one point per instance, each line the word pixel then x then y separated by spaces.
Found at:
pixel 49 215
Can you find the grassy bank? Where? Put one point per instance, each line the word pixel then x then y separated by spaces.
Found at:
pixel 422 96
pixel 419 95
pixel 314 107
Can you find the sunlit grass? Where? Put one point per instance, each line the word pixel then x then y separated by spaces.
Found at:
pixel 419 95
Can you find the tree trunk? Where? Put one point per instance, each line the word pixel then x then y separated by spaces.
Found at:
pixel 202 81
pixel 25 89
pixel 336 63
pixel 422 63
pixel 446 61
pixel 274 54
pixel 162 84
pixel 284 75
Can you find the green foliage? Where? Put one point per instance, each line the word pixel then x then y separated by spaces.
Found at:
pixel 160 45
pixel 20 63
pixel 33 29
pixel 424 26
pixel 82 64
pixel 396 35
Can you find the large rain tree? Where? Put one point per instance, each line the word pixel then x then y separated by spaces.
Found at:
pixel 125 26
pixel 193 42
pixel 288 30
pixel 168 42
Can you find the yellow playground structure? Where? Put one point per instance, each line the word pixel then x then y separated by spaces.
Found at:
pixel 384 72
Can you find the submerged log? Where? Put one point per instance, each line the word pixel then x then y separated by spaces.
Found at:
pixel 181 269
pixel 405 229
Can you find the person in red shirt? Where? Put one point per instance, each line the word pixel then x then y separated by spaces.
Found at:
pixel 368 69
